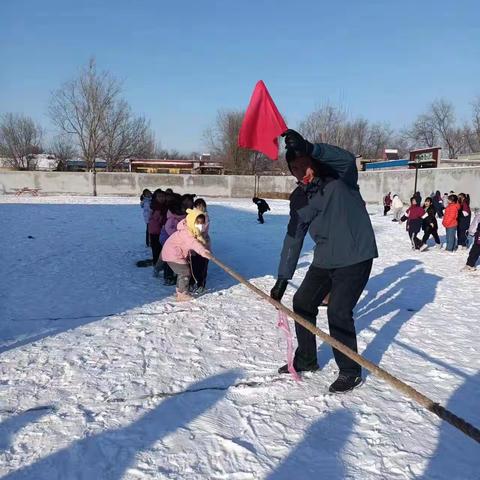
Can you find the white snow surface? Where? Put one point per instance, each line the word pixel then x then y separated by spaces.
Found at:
pixel 104 376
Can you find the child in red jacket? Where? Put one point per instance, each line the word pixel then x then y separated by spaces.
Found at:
pixel 414 217
pixel 450 222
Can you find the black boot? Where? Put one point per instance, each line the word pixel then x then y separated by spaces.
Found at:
pixel 345 383
pixel 284 369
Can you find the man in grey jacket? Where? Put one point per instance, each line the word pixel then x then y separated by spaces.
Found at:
pixel 328 204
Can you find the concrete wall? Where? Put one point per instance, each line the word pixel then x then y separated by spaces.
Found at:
pixel 51 183
pixel 373 185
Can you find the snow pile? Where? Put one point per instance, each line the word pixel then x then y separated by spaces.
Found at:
pixel 103 376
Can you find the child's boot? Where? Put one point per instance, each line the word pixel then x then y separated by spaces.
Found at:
pixel 183 296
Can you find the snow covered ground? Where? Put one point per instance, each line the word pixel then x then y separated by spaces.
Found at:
pixel 103 376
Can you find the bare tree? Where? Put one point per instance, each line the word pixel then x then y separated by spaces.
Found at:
pixel 222 141
pixel 63 149
pixel 380 137
pixel 325 125
pixel 357 133
pixel 422 132
pixel 80 107
pixel 20 140
pixel 172 154
pixel 443 118
pixel 125 136
pixel 472 133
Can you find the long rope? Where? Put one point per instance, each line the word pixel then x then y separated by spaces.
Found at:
pixel 441 412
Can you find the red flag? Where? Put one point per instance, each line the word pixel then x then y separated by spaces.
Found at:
pixel 262 124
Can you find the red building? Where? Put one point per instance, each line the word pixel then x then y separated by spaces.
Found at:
pixel 195 167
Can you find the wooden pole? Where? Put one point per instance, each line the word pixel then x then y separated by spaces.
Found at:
pixel 441 412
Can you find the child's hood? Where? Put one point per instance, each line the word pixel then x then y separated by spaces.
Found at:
pixel 189 223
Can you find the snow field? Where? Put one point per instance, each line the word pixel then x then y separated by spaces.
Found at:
pixel 103 375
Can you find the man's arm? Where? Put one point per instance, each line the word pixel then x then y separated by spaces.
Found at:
pixel 341 161
pixel 334 161
pixel 293 242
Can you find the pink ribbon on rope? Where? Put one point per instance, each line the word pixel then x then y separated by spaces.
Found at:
pixel 285 326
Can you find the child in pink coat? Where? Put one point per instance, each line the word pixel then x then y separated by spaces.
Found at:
pixel 176 250
pixel 175 214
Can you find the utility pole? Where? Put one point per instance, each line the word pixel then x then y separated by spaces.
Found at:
pixel 417 163
pixel 94 179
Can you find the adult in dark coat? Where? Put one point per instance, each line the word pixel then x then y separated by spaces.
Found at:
pixel 328 204
pixel 262 206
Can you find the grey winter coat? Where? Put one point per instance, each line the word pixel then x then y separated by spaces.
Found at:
pixel 333 211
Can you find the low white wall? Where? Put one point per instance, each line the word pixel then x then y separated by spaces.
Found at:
pixel 373 185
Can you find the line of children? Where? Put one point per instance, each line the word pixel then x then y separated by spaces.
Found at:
pixel 168 214
pixel 178 247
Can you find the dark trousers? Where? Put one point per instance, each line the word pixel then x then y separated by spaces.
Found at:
pixel 413 229
pixel 168 273
pixel 433 232
pixel 147 238
pixel 199 270
pixel 345 286
pixel 474 254
pixel 155 246
pixel 386 209
pixel 260 217
pixel 463 225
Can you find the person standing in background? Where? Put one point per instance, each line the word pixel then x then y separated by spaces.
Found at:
pixel 262 206
pixel 387 203
pixel 464 218
pixel 450 221
pixel 397 206
pixel 430 225
pixel 438 204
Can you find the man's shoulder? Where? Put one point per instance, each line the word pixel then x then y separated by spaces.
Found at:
pixel 298 192
pixel 298 198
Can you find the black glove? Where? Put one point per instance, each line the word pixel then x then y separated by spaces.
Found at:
pixel 279 289
pixel 295 142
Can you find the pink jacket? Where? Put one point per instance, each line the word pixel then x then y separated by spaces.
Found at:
pixel 156 222
pixel 177 246
pixel 170 226
pixel 172 222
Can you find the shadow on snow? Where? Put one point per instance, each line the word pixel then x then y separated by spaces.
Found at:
pixel 80 265
pixel 110 453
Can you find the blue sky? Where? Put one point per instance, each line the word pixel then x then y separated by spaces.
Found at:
pixel 181 61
